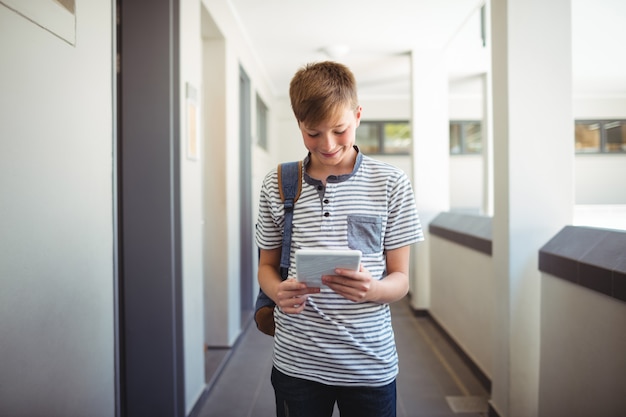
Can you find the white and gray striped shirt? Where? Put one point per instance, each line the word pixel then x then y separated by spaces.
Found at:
pixel 336 341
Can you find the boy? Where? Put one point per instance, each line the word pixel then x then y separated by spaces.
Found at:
pixel 336 344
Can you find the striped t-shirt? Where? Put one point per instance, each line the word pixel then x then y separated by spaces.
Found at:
pixel 336 341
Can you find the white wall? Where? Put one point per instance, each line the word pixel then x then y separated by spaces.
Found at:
pixel 466 183
pixel 385 108
pixel 583 367
pixel 216 308
pixel 599 107
pixel 56 218
pixel 287 142
pixel 462 298
pixel 192 215
pixel 600 179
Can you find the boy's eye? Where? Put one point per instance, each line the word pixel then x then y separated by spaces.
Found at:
pixel 341 133
pixel 313 135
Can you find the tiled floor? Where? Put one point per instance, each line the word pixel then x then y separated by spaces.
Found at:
pixel 430 371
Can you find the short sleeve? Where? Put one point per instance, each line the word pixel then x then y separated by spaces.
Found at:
pixel 271 214
pixel 403 223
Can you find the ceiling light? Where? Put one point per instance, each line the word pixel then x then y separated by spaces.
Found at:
pixel 336 51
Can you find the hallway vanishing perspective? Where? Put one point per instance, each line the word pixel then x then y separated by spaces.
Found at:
pixel 433 381
pixel 134 141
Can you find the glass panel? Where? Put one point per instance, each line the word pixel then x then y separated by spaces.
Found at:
pixel 397 138
pixel 615 136
pixel 367 138
pixel 587 137
pixel 473 137
pixel 455 139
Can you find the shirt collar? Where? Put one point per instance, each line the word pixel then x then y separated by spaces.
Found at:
pixel 332 178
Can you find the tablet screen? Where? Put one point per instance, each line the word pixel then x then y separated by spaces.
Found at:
pixel 311 264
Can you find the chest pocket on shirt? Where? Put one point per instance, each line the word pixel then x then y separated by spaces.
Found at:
pixel 364 233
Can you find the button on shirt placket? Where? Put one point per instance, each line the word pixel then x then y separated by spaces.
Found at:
pixel 327 208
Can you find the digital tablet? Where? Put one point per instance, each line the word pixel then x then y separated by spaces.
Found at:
pixel 311 264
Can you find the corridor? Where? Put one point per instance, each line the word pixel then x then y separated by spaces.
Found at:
pixel 434 381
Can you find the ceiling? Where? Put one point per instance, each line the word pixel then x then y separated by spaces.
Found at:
pixel 373 38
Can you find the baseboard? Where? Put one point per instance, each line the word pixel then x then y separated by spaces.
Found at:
pixel 492 411
pixel 195 411
pixel 474 368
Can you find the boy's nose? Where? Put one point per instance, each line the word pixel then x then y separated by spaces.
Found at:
pixel 328 142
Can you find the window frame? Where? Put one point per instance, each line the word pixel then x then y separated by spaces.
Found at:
pixel 463 139
pixel 602 149
pixel 380 136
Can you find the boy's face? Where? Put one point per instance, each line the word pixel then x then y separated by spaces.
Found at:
pixel 331 143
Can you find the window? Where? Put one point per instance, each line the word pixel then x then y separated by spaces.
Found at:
pixel 261 123
pixel 465 137
pixel 389 138
pixel 592 136
pixel 600 136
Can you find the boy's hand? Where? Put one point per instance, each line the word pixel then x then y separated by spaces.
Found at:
pixel 356 286
pixel 292 295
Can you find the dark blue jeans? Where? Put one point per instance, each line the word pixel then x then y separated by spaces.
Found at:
pixel 297 397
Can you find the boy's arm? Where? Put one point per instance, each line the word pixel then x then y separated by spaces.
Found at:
pixel 290 295
pixel 359 286
pixel 268 275
pixel 395 285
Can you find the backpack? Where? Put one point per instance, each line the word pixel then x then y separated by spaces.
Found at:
pixel 289 186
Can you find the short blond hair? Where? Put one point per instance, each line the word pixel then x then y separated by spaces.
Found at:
pixel 321 91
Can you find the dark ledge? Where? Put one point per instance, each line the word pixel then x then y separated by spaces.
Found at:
pixel 470 230
pixel 591 257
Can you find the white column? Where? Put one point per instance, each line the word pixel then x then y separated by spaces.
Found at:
pixel 430 130
pixel 487 137
pixel 487 122
pixel 533 181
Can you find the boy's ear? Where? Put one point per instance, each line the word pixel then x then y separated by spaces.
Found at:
pixel 357 115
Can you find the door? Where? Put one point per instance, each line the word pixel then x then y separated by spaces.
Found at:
pixel 245 192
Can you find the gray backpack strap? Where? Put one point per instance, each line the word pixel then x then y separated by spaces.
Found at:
pixel 290 187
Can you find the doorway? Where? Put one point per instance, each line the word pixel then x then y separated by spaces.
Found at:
pixel 245 193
